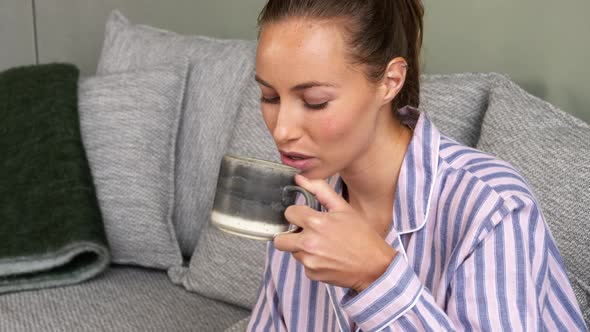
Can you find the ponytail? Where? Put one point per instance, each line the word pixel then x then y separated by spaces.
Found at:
pixel 411 13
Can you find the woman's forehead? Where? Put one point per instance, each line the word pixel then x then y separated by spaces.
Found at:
pixel 302 47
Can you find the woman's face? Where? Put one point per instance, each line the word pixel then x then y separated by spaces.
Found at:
pixel 320 109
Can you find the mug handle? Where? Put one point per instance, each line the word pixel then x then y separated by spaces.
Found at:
pixel 310 201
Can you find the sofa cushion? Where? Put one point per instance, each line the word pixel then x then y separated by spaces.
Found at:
pixel 456 103
pixel 129 124
pixel 228 267
pixel 121 299
pixel 552 150
pixel 219 70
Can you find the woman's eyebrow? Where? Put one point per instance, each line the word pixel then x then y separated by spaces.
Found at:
pixel 263 82
pixel 312 84
pixel 298 87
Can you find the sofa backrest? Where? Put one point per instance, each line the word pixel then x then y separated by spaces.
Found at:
pixel 456 103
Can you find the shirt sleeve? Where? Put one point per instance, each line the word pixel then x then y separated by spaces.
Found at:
pixel 513 279
pixel 266 315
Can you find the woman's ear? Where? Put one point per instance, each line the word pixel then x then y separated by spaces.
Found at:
pixel 394 78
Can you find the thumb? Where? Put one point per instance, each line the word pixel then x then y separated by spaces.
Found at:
pixel 325 194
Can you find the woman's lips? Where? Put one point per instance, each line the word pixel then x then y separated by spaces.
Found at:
pixel 297 160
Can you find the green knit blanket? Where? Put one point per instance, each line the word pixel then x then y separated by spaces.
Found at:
pixel 51 230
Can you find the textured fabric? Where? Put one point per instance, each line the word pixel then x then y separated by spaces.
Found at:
pixel 552 150
pixel 473 253
pixel 250 136
pixel 224 267
pixel 227 267
pixel 121 299
pixel 51 230
pixel 240 326
pixel 456 103
pixel 215 82
pixel 129 126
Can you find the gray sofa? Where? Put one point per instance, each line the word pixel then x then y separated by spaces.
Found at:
pixel 199 279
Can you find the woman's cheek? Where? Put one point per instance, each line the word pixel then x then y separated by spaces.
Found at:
pixel 270 118
pixel 332 129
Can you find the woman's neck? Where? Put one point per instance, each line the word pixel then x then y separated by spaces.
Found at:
pixel 371 180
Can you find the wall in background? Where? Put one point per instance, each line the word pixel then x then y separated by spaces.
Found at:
pixel 73 29
pixel 541 44
pixel 17 39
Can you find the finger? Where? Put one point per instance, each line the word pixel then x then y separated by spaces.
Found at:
pixel 287 242
pixel 323 192
pixel 309 263
pixel 301 215
pixel 305 259
pixel 299 255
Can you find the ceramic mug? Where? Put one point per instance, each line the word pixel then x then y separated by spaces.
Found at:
pixel 252 196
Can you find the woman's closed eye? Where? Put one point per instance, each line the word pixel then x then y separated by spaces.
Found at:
pixel 318 106
pixel 276 100
pixel 316 99
pixel 270 100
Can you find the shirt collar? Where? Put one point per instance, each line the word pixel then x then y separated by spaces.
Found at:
pixel 417 174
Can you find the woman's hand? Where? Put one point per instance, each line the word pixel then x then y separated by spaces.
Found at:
pixel 338 247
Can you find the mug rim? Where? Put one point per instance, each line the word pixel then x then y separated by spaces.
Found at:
pixel 259 162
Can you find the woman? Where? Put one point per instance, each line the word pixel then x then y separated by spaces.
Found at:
pixel 417 232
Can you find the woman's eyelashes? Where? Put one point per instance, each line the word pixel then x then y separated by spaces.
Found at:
pixel 276 100
pixel 272 100
pixel 317 106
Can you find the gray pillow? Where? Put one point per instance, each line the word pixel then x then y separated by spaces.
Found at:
pixel 551 149
pixel 227 267
pixel 456 103
pixel 129 124
pixel 218 74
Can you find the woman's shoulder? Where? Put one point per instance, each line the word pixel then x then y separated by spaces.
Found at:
pixel 480 191
pixel 482 170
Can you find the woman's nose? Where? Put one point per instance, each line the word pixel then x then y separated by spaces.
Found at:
pixel 287 126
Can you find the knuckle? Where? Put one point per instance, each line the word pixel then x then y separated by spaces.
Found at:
pixel 309 262
pixel 314 221
pixel 309 244
pixel 314 274
pixel 317 222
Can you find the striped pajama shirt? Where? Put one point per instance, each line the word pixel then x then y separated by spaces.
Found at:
pixel 474 253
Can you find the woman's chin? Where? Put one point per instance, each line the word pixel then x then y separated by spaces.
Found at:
pixel 317 173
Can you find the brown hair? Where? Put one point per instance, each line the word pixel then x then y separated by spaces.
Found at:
pixel 378 32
